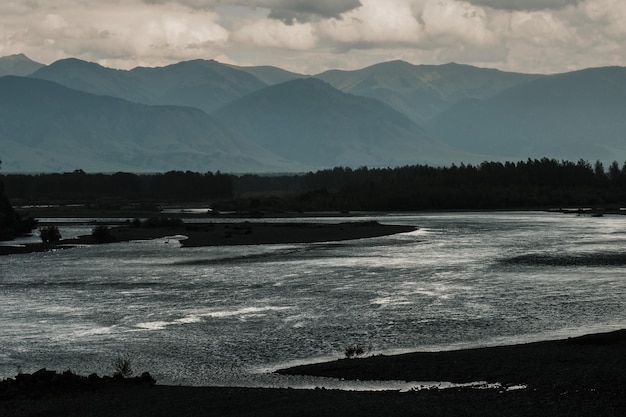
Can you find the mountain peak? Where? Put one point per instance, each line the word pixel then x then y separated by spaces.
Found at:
pixel 309 121
pixel 394 63
pixel 204 84
pixel 16 57
pixel 77 63
pixel 18 64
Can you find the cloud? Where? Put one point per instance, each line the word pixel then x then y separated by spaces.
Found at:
pixel 453 22
pixel 375 24
pixel 525 4
pixel 310 36
pixel 305 10
pixel 608 16
pixel 107 33
pixel 288 11
pixel 428 24
pixel 271 33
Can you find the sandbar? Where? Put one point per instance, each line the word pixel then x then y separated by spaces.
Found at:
pixel 230 233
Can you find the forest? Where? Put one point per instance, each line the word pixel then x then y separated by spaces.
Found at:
pixel 81 187
pixel 531 184
pixel 11 223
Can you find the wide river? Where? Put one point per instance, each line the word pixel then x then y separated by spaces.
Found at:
pixel 227 315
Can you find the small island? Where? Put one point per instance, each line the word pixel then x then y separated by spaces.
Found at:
pixel 220 233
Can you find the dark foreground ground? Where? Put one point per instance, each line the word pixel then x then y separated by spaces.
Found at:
pixel 574 377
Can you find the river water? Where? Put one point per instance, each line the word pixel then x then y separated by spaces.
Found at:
pixel 228 315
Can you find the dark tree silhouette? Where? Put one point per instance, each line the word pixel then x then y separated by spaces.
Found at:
pixel 80 186
pixel 49 234
pixel 533 183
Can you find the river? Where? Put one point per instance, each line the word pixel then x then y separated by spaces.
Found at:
pixel 228 315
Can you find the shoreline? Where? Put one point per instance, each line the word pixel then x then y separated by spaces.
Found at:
pixel 227 234
pixel 536 364
pixel 582 376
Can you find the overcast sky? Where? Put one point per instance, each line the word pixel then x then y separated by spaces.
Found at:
pixel 310 36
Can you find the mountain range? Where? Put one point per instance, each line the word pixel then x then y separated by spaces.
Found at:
pixel 566 116
pixel 308 121
pixel 206 85
pixel 47 127
pixel 423 91
pixel 203 115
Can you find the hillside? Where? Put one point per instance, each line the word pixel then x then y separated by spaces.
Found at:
pixel 309 121
pixel 206 85
pixel 45 127
pixel 423 91
pixel 566 116
pixel 268 74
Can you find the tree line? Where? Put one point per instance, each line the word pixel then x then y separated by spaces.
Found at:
pixel 78 186
pixel 11 223
pixel 534 183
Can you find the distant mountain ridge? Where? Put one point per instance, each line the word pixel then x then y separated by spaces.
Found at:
pixel 423 91
pixel 419 91
pixel 308 121
pixel 206 85
pixel 264 118
pixel 268 74
pixel 46 127
pixel 571 116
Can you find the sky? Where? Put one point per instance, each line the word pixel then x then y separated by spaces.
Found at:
pixel 308 37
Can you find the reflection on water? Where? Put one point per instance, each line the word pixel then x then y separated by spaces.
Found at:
pixel 224 315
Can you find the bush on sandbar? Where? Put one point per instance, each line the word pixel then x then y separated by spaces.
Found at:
pixel 49 234
pixel 101 234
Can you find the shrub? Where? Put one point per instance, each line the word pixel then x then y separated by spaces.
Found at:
pixel 101 234
pixel 122 366
pixel 354 351
pixel 49 234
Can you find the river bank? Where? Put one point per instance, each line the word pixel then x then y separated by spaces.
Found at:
pixel 575 377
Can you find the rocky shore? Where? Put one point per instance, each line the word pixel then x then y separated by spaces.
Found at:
pixel 44 382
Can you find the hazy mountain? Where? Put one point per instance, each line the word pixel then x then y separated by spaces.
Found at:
pixel 309 121
pixel 94 78
pixel 423 91
pixel 269 75
pixel 18 64
pixel 206 85
pixel 267 119
pixel 566 116
pixel 48 127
